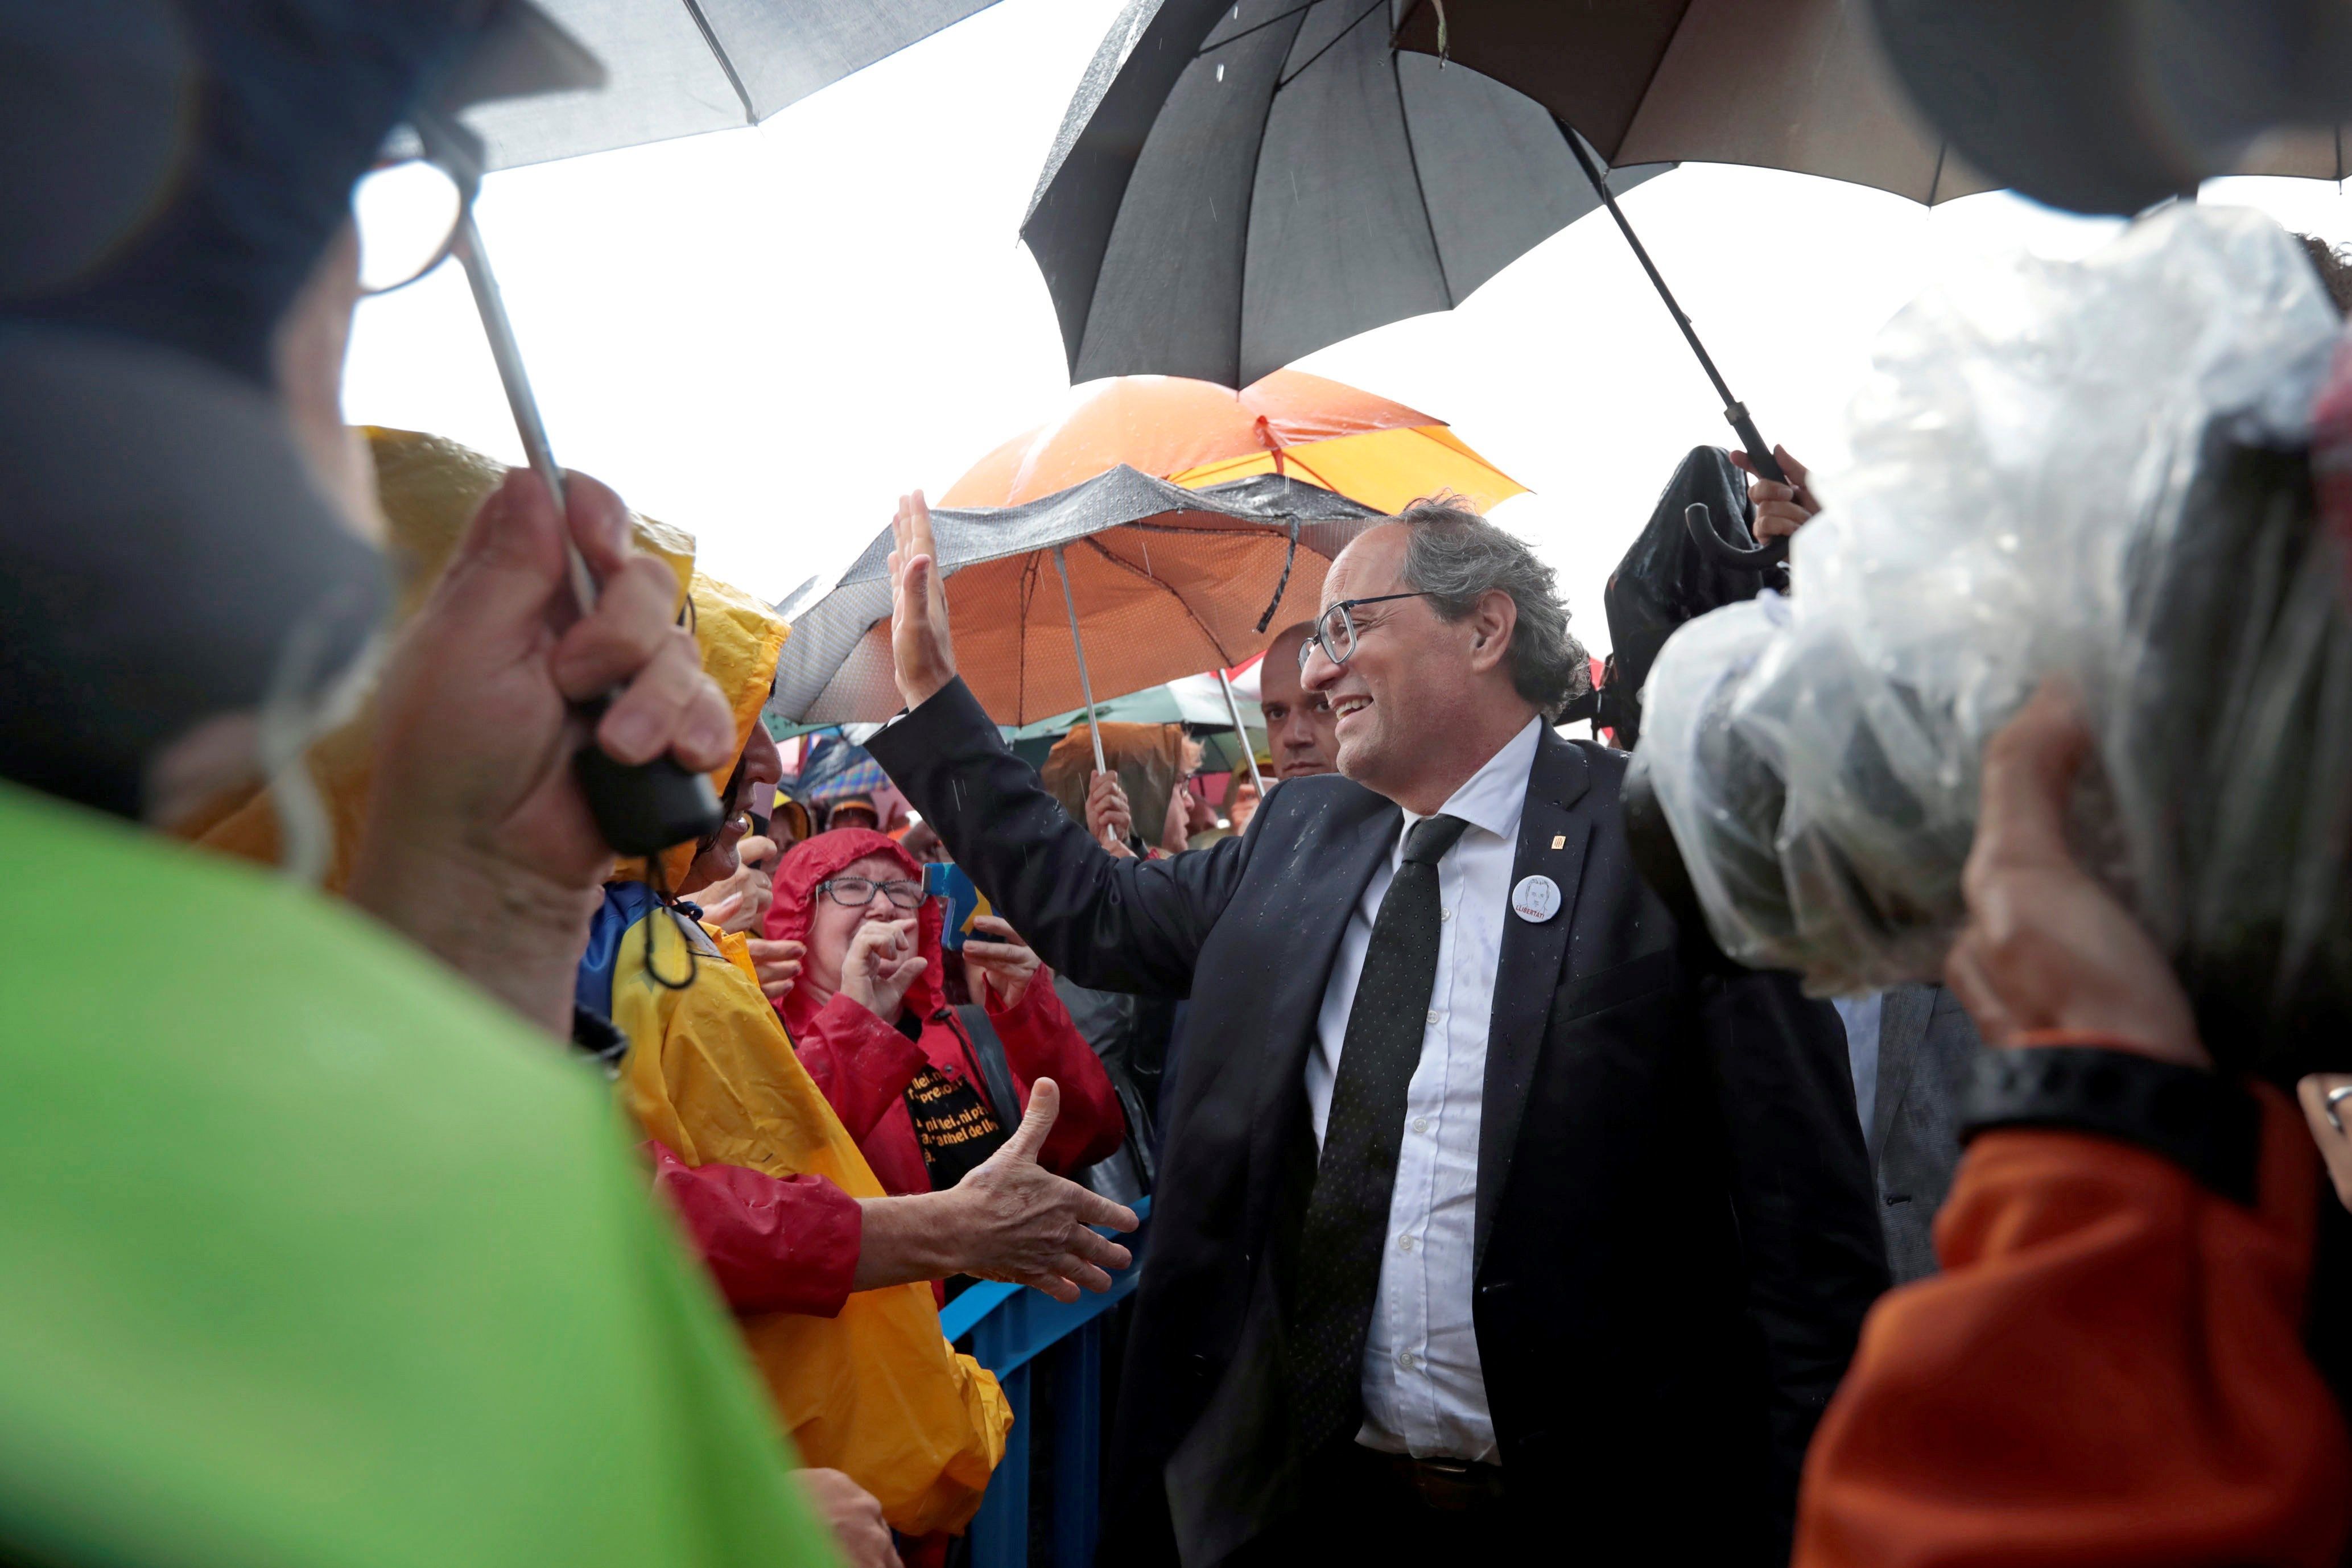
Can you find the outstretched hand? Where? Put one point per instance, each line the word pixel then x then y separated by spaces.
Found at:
pixel 1029 1227
pixel 923 656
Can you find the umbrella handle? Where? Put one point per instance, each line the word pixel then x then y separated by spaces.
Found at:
pixel 1760 450
pixel 641 809
pixel 1722 551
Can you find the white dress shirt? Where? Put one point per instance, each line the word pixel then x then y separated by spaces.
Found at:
pixel 1423 1391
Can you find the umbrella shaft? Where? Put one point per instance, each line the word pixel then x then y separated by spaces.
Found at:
pixel 491 305
pixel 1734 410
pixel 1086 687
pixel 1241 734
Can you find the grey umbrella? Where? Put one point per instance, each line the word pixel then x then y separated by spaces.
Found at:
pixel 1237 185
pixel 678 68
pixel 1117 583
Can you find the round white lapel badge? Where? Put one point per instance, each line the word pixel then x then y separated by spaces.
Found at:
pixel 1535 899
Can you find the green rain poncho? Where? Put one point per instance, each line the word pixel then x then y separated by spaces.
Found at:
pixel 312 1254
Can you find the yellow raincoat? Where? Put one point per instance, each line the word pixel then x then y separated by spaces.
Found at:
pixel 430 489
pixel 876 1391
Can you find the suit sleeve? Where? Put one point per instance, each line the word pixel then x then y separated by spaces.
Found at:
pixel 1040 1041
pixel 1107 923
pixel 773 1244
pixel 2109 1373
pixel 1802 1192
pixel 860 1064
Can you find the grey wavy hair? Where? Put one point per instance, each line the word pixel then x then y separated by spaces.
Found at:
pixel 1453 556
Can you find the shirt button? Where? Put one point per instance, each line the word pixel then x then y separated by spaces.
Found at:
pixel 1435 1014
pixel 1445 914
pixel 1407 1360
pixel 1404 1244
pixel 1421 1124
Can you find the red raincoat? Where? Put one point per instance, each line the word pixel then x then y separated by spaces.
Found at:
pixel 864 1064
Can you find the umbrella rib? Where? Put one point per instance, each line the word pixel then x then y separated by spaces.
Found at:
pixel 1330 45
pixel 710 41
pixel 1170 588
pixel 1421 191
pixel 1203 52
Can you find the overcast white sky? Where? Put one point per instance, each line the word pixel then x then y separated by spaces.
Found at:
pixel 764 336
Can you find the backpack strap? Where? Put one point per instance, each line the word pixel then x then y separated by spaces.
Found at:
pixel 995 1072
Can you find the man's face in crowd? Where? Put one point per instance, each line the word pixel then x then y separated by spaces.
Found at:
pixel 1298 722
pixel 1409 675
pixel 755 779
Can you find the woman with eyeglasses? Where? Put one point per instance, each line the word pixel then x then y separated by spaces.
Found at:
pixel 868 1014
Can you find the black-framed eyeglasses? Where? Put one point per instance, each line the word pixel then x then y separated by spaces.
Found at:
pixel 857 892
pixel 1335 629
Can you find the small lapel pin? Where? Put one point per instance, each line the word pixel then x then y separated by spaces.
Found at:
pixel 1536 899
pixel 1560 840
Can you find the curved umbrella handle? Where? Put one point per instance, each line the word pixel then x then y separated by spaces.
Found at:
pixel 1722 551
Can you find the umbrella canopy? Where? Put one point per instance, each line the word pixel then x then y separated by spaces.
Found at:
pixel 837 771
pixel 1195 702
pixel 1197 433
pixel 1788 84
pixel 1165 580
pixel 1236 187
pixel 678 68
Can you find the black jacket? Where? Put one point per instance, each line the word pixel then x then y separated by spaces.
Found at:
pixel 1675 1233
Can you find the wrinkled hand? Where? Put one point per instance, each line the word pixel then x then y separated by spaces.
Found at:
pixel 1780 510
pixel 2045 946
pixel 1029 1227
pixel 881 964
pixel 922 654
pixel 1006 964
pixel 1108 817
pixel 778 964
pixel 479 844
pixel 852 1515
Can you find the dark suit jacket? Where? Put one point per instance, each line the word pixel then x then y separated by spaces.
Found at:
pixel 1926 1044
pixel 1676 1236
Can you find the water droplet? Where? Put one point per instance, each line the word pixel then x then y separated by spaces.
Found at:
pixel 1221 71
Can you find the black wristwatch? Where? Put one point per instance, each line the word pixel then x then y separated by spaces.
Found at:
pixel 2208 1125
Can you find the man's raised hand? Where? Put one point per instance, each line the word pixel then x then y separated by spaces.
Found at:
pixel 1030 1226
pixel 922 654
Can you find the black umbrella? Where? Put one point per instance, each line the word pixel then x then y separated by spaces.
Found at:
pixel 1237 185
pixel 678 68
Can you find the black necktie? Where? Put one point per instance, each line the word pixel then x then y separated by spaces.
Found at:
pixel 1346 1221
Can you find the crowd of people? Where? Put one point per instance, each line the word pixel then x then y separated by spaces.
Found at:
pixel 495 1200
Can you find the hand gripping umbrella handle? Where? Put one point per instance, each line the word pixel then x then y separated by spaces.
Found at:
pixel 1760 450
pixel 641 808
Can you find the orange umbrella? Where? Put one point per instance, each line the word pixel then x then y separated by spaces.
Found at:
pixel 1196 433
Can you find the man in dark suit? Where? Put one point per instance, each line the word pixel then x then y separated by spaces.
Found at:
pixel 1492 1218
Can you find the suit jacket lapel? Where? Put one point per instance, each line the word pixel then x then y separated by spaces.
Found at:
pixel 1902 1029
pixel 1528 974
pixel 1280 1093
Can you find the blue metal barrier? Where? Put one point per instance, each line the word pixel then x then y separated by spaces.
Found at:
pixel 1009 1327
